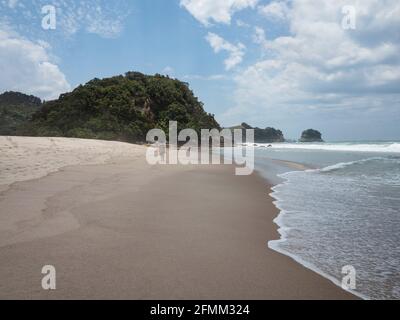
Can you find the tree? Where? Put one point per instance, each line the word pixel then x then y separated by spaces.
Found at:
pixel 122 108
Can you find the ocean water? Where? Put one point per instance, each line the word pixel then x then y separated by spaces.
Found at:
pixel 344 210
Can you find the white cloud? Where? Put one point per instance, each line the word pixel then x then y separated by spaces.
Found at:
pixel 12 3
pixel 101 17
pixel 213 77
pixel 242 24
pixel 275 10
pixel 98 17
pixel 236 52
pixel 26 66
pixel 321 66
pixel 259 36
pixel 219 11
pixel 168 70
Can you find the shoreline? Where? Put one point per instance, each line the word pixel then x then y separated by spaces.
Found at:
pixel 274 244
pixel 125 230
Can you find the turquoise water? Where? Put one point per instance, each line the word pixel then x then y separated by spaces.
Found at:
pixel 345 210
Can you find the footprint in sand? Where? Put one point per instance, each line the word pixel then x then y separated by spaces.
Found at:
pixel 13 144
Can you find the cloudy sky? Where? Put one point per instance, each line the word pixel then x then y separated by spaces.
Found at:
pixel 291 64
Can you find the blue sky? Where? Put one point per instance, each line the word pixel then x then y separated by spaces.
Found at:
pixel 284 63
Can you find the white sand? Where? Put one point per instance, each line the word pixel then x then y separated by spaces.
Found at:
pixel 26 158
pixel 23 159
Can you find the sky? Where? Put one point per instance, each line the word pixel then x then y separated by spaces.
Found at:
pixel 291 64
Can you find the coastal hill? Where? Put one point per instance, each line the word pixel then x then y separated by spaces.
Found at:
pixel 267 135
pixel 122 108
pixel 311 135
pixel 16 109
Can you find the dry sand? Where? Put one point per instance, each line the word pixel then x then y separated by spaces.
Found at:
pixel 25 158
pixel 126 230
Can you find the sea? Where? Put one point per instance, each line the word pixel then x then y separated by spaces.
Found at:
pixel 340 209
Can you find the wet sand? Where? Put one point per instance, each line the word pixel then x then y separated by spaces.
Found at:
pixel 126 230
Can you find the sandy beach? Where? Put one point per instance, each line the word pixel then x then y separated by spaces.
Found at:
pixel 115 227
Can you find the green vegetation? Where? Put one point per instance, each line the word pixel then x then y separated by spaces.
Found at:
pixel 311 135
pixel 267 135
pixel 15 110
pixel 120 108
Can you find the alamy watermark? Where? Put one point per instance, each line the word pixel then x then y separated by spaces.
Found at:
pixel 349 21
pixel 349 279
pixel 226 147
pixel 49 280
pixel 49 21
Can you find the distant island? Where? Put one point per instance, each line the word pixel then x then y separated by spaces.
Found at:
pixel 267 135
pixel 122 108
pixel 311 135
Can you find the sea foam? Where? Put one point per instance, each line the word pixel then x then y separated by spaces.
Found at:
pixel 344 214
pixel 353 147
